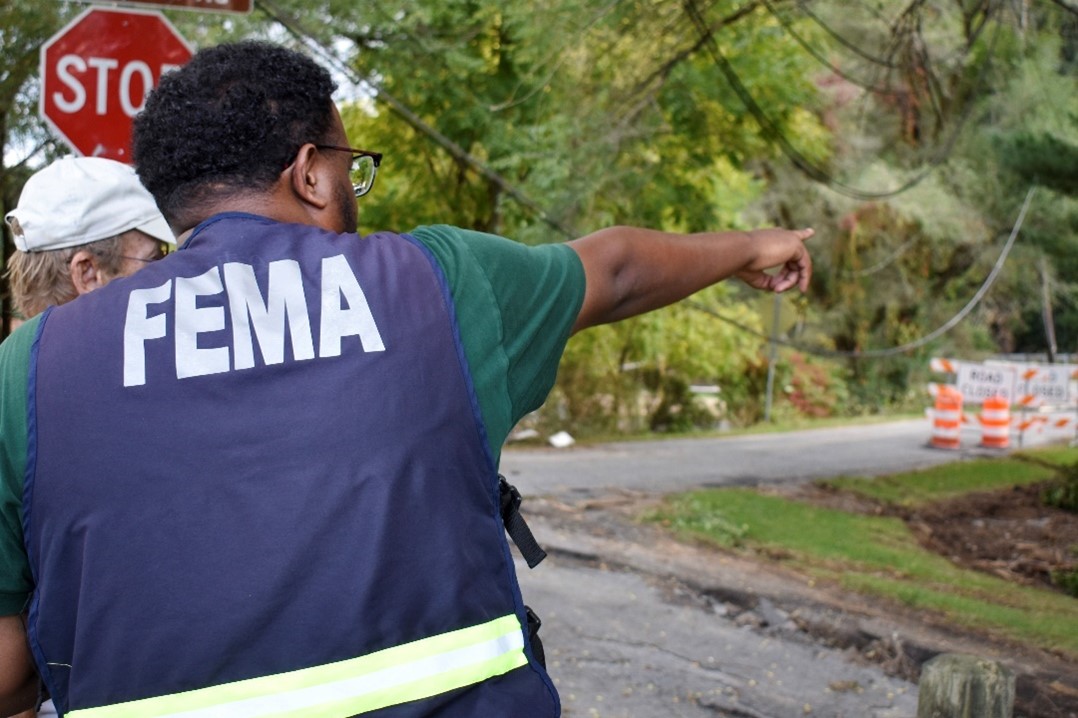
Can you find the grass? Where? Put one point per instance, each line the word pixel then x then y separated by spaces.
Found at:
pixel 952 480
pixel 878 556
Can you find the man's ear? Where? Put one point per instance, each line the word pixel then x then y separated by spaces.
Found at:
pixel 308 177
pixel 85 273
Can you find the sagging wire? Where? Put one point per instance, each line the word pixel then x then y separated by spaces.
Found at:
pixel 840 38
pixel 807 47
pixel 811 170
pixel 903 348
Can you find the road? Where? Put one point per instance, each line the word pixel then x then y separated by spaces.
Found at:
pixel 674 465
pixel 637 627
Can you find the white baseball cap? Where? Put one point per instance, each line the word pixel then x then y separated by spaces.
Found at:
pixel 78 200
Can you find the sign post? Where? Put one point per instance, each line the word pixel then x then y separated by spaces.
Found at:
pixel 97 71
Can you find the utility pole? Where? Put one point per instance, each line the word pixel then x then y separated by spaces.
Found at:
pixel 772 357
pixel 1046 311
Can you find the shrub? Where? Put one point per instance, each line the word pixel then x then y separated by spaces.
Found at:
pixel 1063 491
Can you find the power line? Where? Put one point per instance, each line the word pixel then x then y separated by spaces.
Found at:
pixel 880 265
pixel 807 47
pixel 909 346
pixel 844 42
pixel 799 160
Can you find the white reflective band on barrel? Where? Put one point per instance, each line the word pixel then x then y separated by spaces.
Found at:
pixel 389 677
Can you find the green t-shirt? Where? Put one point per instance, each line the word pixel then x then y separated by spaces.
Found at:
pixel 516 306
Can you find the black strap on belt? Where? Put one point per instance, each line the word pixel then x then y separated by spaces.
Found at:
pixel 533 635
pixel 515 525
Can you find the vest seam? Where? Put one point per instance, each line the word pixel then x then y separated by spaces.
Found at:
pixel 27 502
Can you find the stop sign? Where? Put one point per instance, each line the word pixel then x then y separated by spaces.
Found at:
pixel 97 71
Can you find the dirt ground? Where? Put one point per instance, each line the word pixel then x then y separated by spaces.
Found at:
pixel 1009 533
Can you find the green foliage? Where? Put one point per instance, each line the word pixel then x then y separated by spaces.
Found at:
pixel 1063 493
pixel 634 375
pixel 1067 580
pixel 24 26
pixel 581 106
pixel 1042 159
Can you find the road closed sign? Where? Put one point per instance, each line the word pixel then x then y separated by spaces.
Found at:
pixel 978 382
pixel 1045 385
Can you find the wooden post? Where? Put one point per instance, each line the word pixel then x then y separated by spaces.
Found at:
pixel 958 686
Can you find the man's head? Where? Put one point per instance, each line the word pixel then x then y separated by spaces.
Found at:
pixel 80 223
pixel 238 127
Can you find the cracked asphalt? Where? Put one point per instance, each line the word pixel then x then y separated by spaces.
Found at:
pixel 620 645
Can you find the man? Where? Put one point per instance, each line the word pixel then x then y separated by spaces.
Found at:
pixel 80 222
pixel 318 531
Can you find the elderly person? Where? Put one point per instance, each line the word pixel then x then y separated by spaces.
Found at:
pixel 80 223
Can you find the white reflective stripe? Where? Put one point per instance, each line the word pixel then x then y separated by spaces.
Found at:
pixel 996 415
pixel 281 703
pixel 945 415
pixel 996 431
pixel 946 432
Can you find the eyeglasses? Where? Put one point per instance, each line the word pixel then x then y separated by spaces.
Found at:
pixel 160 250
pixel 364 167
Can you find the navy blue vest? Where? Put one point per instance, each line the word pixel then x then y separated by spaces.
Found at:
pixel 262 456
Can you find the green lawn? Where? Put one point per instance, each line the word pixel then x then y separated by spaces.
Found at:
pixel 940 483
pixel 878 556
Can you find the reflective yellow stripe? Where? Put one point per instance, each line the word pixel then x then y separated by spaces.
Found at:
pixel 389 677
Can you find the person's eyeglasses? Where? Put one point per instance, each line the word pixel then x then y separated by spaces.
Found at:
pixel 364 167
pixel 160 251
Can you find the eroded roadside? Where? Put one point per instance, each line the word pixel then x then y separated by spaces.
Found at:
pixel 808 623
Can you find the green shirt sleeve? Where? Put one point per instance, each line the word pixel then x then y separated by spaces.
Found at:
pixel 516 306
pixel 15 580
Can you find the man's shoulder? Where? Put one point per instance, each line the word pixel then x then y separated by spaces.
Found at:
pixel 456 245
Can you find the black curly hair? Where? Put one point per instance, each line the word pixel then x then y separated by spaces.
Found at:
pixel 231 119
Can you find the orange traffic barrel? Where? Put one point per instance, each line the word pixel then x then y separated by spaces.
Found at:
pixel 995 421
pixel 947 418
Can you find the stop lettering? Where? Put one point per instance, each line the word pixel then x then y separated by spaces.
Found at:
pixel 97 71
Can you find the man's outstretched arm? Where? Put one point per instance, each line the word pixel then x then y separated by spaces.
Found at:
pixel 18 679
pixel 631 271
